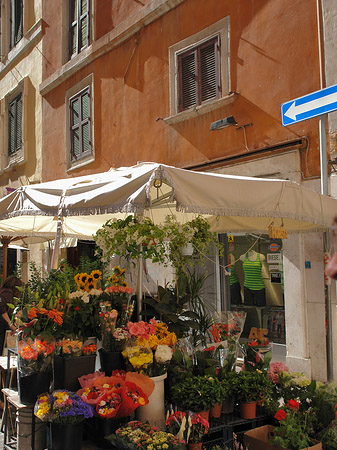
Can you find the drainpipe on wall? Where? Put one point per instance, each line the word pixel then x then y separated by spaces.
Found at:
pixel 324 184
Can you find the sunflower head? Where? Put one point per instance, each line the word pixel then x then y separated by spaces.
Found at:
pixel 96 274
pixel 118 271
pixel 90 280
pixel 83 278
pixel 90 286
pixel 77 278
pixel 124 283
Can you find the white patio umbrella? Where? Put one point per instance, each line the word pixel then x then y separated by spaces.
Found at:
pixel 78 206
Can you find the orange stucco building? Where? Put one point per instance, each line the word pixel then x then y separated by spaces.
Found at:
pixel 266 53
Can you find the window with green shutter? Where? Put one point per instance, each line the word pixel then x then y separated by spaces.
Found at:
pixel 78 26
pixel 199 74
pixel 80 124
pixel 15 125
pixel 16 22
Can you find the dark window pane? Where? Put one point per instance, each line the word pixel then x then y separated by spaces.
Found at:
pixel 78 26
pixel 16 22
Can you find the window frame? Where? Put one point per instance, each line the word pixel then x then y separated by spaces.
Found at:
pixel 215 41
pixel 221 29
pixel 82 122
pixel 17 100
pixel 87 157
pixel 75 23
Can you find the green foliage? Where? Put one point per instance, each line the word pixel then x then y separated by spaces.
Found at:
pixel 198 393
pixel 324 401
pixel 170 306
pixel 294 426
pixel 328 436
pixel 250 386
pixel 296 385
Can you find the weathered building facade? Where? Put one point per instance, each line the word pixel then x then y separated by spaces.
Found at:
pixel 130 80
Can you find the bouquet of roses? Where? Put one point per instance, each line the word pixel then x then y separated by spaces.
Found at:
pixel 63 407
pixel 108 319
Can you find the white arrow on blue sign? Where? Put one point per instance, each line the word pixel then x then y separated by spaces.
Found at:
pixel 309 106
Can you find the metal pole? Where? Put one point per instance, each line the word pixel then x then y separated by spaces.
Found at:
pixel 325 191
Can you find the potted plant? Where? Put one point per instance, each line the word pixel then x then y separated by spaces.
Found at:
pixel 197 393
pixel 66 411
pixel 292 433
pixel 195 233
pixel 131 238
pixel 248 387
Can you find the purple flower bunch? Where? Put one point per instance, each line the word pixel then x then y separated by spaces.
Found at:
pixel 63 407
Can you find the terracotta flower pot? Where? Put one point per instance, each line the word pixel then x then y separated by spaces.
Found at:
pixel 197 446
pixel 248 410
pixel 215 411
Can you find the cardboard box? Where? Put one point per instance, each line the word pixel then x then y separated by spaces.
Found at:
pixel 258 439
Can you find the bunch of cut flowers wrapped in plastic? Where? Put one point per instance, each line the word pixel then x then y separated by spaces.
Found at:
pixel 115 396
pixel 150 348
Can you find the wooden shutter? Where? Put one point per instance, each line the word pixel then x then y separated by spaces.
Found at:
pixel 15 125
pixel 80 124
pixel 209 70
pixel 199 74
pixel 78 25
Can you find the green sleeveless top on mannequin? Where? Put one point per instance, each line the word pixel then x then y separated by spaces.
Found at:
pixel 253 273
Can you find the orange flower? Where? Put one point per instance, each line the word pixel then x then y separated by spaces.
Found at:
pixel 33 313
pixel 56 316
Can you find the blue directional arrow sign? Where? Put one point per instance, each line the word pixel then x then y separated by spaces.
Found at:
pixel 308 106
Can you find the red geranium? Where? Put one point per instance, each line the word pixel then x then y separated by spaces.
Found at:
pixel 293 404
pixel 280 415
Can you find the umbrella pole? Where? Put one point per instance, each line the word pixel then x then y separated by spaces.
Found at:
pixel 5 242
pixel 139 288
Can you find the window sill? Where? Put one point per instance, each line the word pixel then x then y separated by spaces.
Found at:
pixel 26 43
pixel 81 163
pixel 14 161
pixel 199 110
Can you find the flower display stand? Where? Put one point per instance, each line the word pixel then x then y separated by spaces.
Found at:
pixel 154 411
pixel 66 371
pixel 258 439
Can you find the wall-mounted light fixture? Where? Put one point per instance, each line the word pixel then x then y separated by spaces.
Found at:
pixel 228 122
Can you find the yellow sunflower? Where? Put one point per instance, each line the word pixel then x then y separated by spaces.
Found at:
pixel 77 278
pixel 118 271
pixel 96 274
pixel 124 283
pixel 83 278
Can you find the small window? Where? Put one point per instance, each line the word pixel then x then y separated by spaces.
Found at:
pixel 15 125
pixel 80 126
pixel 78 26
pixel 199 74
pixel 16 22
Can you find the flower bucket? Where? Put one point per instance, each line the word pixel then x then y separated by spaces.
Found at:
pixel 154 411
pixel 248 410
pixel 66 437
pixel 259 438
pixel 106 427
pixel 30 386
pixel 228 405
pixel 67 371
pixel 111 361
